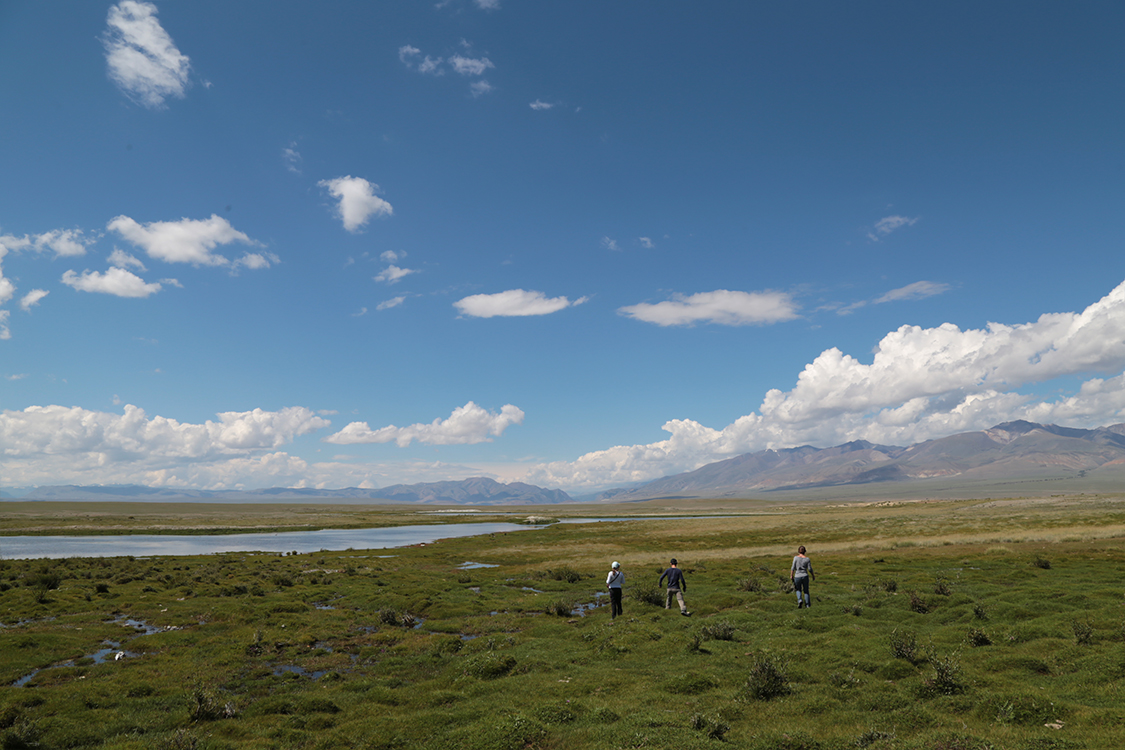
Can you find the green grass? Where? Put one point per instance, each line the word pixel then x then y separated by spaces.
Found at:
pixel 347 649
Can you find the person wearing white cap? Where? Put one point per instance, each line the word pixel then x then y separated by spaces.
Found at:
pixel 613 582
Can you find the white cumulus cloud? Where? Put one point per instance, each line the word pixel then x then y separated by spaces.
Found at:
pixel 142 59
pixel 513 303
pixel 184 241
pixel 721 306
pixel 7 288
pixel 115 281
pixel 922 383
pixel 358 201
pixel 468 424
pixel 132 435
pixel 63 242
pixel 388 304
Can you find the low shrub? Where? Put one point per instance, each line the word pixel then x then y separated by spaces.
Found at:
pixel 1024 710
pixel 603 715
pixel 946 679
pixel 712 727
pixel 45 581
pixel 749 584
pixel 1041 562
pixel 904 645
pixel 648 594
pixel 207 705
pixel 565 573
pixel 690 684
pixel 489 665
pixel 391 616
pixel 1083 633
pixel 560 607
pixel 767 679
pixel 871 736
pixel 717 631
pixel 977 637
pixel 918 604
pixel 556 713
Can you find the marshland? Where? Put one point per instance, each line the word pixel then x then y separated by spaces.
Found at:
pixel 935 625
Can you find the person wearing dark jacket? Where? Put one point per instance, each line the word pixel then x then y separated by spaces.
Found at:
pixel 676 587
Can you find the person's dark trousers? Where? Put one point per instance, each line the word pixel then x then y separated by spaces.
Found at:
pixel 615 602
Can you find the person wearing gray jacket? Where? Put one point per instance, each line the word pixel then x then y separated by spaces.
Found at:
pixel 800 573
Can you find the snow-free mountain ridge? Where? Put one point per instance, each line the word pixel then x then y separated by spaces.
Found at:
pixel 1009 453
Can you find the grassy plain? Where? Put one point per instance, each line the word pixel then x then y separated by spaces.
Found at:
pixel 942 625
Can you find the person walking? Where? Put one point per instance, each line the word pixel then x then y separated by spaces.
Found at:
pixel 800 573
pixel 613 582
pixel 677 586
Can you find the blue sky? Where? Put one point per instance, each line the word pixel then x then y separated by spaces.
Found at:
pixel 578 244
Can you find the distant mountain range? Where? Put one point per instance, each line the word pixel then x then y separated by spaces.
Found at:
pixel 474 491
pixel 1011 458
pixel 1012 452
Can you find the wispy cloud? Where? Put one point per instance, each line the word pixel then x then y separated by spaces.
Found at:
pixel 141 57
pixel 468 424
pixel 392 274
pixel 721 306
pixel 539 106
pixel 470 66
pixel 358 201
pixel 513 303
pixel 610 244
pixel 122 259
pixel 292 157
pixel 412 58
pixel 917 290
pixel 888 224
pixel 388 304
pixel 646 243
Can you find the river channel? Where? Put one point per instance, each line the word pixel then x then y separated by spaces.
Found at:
pixel 148 545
